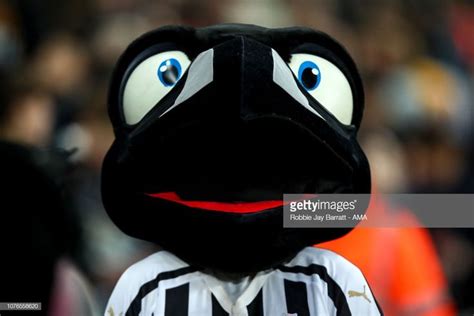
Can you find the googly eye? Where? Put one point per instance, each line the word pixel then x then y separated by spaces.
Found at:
pixel 169 72
pixel 309 75
pixel 151 81
pixel 326 83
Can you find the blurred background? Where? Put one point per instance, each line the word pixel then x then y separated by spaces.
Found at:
pixel 416 58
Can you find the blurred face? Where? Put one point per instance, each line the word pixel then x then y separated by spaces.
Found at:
pixel 30 120
pixel 61 65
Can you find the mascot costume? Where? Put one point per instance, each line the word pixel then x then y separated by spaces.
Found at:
pixel 212 126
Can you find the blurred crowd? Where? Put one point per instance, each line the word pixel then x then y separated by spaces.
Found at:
pixel 416 59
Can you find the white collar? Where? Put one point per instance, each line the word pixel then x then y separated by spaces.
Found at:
pixel 217 288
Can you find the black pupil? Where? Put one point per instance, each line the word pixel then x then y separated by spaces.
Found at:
pixel 170 75
pixel 308 78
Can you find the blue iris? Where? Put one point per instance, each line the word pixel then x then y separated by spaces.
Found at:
pixel 169 72
pixel 309 75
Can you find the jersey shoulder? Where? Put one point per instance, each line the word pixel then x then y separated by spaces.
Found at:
pixel 347 286
pixel 331 261
pixel 139 274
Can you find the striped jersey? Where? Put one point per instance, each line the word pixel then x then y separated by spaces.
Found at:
pixel 314 282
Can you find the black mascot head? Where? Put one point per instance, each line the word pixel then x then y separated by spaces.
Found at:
pixel 213 125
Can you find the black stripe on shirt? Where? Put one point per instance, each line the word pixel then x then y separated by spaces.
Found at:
pixel 217 309
pixel 296 298
pixel 177 301
pixel 256 307
pixel 136 305
pixel 334 290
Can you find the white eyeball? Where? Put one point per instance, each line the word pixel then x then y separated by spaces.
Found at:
pixel 326 83
pixel 150 81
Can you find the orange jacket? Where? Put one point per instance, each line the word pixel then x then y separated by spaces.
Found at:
pixel 400 264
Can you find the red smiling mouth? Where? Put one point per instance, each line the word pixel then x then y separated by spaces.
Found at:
pixel 227 207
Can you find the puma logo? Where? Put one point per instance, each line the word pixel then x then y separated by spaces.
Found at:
pixel 356 293
pixel 111 312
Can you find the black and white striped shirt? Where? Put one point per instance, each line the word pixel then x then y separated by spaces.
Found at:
pixel 315 282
